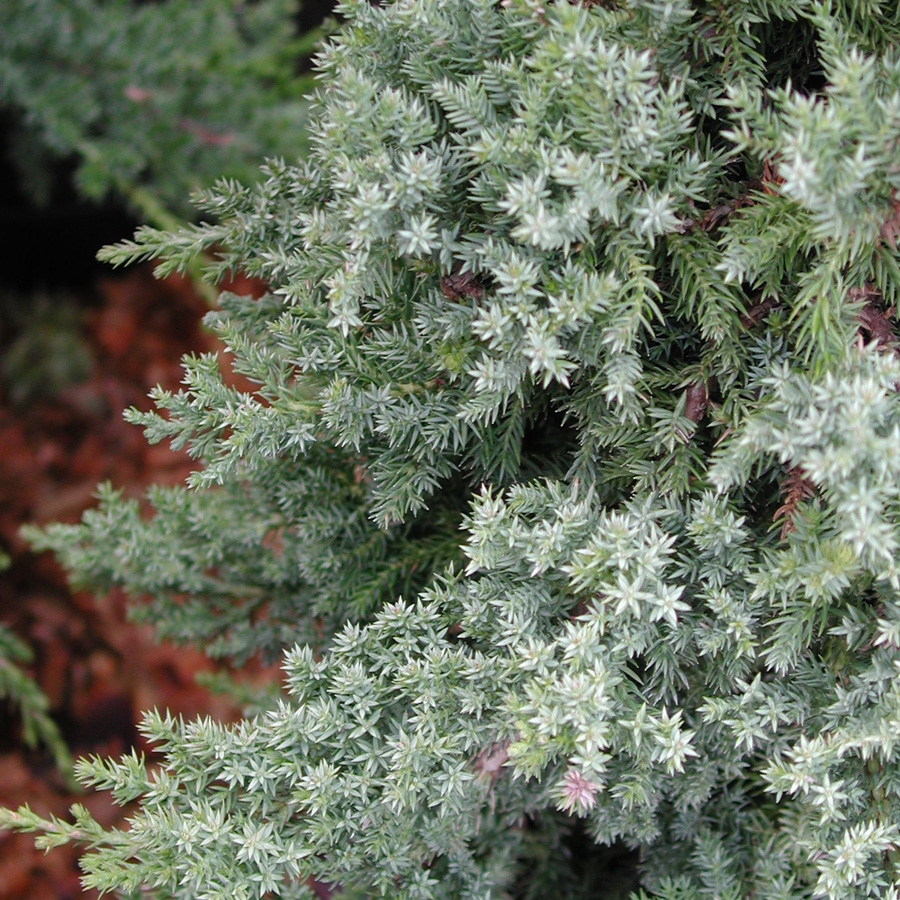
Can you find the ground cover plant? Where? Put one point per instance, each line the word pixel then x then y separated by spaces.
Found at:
pixel 568 485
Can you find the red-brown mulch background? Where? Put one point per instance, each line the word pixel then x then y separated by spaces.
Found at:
pixel 99 670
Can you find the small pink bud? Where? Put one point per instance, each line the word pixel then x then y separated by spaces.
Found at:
pixel 578 793
pixel 137 94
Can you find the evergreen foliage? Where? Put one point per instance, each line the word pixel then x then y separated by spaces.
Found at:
pixel 16 686
pixel 153 101
pixel 569 482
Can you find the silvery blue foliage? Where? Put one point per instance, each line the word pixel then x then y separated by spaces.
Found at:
pixel 568 484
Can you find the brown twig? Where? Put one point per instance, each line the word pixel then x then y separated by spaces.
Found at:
pixel 757 313
pixel 461 283
pixel 696 399
pixel 795 488
pixel 890 228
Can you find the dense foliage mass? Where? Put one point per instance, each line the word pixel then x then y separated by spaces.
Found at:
pixel 146 102
pixel 152 101
pixel 569 482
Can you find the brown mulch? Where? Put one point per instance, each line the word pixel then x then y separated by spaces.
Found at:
pixel 99 670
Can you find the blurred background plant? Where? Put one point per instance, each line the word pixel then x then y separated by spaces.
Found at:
pixel 48 352
pixel 151 101
pixel 112 112
pixel 16 685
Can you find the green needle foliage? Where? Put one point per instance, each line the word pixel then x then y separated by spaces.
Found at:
pixel 569 481
pixel 17 686
pixel 152 100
